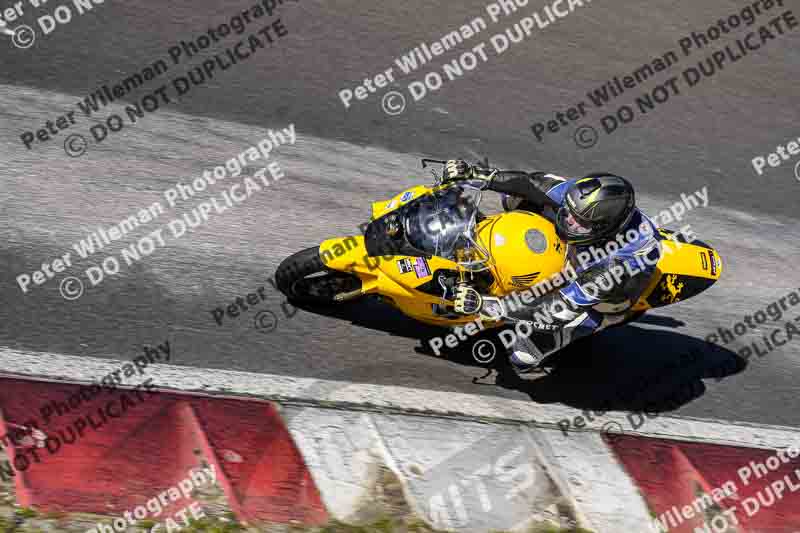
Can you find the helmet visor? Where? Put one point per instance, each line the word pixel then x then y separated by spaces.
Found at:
pixel 570 224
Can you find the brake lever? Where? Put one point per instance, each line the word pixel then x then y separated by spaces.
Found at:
pixel 437 161
pixel 437 180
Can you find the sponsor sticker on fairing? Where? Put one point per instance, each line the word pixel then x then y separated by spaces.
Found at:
pixel 421 267
pixel 404 266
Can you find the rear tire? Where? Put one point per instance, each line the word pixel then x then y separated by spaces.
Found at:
pixel 305 279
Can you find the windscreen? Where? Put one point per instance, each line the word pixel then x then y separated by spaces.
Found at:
pixel 439 223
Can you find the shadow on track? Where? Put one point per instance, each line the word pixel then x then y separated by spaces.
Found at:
pixel 623 369
pixel 370 313
pixel 627 368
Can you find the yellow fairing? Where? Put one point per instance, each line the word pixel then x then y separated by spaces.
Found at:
pixel 524 249
pixel 385 206
pixel 684 270
pixel 383 275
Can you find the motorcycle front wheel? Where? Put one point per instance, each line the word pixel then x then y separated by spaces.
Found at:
pixel 304 278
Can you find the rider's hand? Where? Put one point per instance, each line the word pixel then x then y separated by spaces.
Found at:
pixel 468 301
pixel 457 169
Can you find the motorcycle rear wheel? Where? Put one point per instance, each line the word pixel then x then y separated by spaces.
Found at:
pixel 305 279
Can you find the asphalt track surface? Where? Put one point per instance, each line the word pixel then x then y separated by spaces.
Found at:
pixel 346 158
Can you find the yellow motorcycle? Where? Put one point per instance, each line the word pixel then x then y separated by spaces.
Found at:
pixel 423 242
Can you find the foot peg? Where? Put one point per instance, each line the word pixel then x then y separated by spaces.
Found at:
pixel 344 296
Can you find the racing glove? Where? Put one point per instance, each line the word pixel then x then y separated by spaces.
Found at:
pixel 468 301
pixel 458 169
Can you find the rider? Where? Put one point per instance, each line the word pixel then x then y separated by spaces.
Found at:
pixel 589 213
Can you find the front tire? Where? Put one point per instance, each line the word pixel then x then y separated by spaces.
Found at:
pixel 305 279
